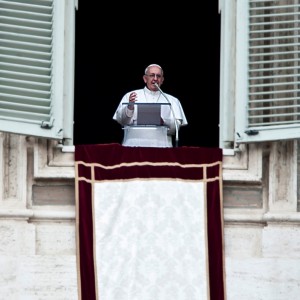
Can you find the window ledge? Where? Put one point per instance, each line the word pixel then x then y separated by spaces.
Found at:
pixel 68 149
pixel 227 152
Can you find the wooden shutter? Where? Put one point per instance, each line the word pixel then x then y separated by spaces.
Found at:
pixel 267 79
pixel 31 67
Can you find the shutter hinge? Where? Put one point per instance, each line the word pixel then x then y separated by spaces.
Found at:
pixel 251 132
pixel 48 125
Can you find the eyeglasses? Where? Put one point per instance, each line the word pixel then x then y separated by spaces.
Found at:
pixel 158 76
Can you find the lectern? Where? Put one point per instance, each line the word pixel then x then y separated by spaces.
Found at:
pixel 147 130
pixel 146 136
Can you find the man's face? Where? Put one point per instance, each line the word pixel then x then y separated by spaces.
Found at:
pixel 154 75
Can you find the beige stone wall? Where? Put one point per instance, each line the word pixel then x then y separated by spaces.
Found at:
pixel 37 221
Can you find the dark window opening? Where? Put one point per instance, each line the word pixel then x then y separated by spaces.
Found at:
pixel 112 51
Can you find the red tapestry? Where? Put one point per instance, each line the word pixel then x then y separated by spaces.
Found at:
pixel 149 223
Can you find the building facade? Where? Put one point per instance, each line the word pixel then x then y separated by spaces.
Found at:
pixel 260 191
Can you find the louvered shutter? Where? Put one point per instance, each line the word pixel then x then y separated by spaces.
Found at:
pixel 268 70
pixel 31 67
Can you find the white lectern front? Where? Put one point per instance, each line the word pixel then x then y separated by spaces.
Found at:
pixel 146 136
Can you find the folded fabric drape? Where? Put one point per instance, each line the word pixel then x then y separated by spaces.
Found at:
pixel 149 223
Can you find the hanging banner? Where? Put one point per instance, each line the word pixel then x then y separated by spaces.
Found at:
pixel 149 223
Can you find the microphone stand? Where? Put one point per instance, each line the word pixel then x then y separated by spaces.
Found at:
pixel 175 121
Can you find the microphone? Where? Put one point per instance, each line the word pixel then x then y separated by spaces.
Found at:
pixel 171 106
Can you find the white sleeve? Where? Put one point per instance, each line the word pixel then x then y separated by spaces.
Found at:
pixel 179 115
pixel 123 115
